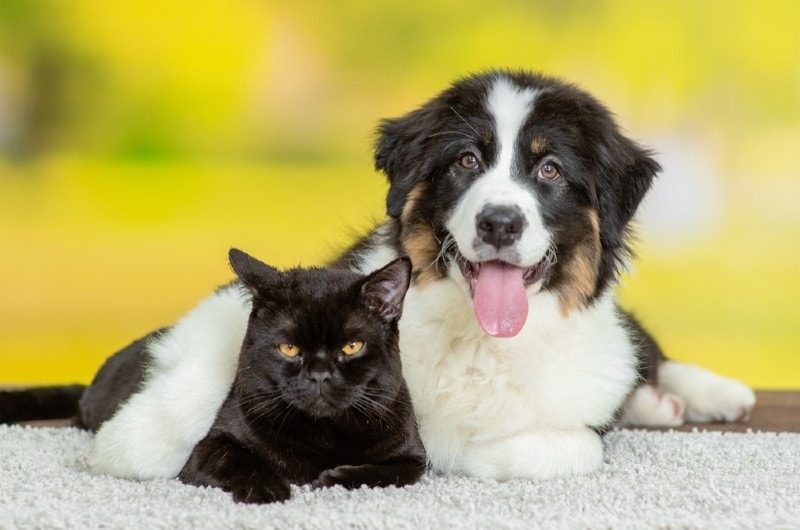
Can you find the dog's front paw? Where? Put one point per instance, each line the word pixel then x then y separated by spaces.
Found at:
pixel 727 400
pixel 649 407
pixel 537 454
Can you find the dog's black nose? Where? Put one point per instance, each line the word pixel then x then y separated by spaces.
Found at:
pixel 500 226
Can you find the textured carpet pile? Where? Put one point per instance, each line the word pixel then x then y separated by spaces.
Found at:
pixel 649 480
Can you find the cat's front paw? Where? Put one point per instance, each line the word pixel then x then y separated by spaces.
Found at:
pixel 351 477
pixel 260 490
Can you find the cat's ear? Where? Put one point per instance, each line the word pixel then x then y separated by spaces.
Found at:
pixel 255 274
pixel 385 289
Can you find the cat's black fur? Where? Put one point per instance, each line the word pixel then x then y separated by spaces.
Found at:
pixel 321 417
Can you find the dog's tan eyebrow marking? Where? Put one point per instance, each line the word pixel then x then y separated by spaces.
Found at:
pixel 539 145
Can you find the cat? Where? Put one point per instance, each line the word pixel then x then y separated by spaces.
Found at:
pixel 318 396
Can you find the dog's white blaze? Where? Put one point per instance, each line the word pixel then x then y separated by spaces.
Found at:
pixel 509 107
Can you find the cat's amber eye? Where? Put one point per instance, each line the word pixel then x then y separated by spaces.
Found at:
pixel 289 350
pixel 352 347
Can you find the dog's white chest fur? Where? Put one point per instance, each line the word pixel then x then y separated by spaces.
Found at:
pixel 559 374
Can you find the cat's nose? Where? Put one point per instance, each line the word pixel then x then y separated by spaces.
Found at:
pixel 319 376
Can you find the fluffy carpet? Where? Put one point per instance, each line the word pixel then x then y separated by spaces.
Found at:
pixel 649 480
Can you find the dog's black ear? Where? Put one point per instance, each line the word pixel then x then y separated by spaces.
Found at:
pixel 399 154
pixel 628 171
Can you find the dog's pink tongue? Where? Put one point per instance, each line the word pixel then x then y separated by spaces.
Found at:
pixel 500 302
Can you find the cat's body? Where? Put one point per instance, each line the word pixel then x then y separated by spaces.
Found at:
pixel 318 396
pixel 333 410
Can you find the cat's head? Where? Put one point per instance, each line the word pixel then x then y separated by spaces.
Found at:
pixel 320 340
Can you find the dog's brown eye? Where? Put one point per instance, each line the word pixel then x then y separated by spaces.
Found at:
pixel 549 171
pixel 469 161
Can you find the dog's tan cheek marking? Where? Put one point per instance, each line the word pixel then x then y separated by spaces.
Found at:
pixel 418 240
pixel 580 274
pixel 411 201
pixel 421 246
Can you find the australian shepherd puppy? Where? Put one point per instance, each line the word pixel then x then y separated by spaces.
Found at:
pixel 513 194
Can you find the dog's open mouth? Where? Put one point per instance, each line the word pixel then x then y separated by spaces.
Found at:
pixel 498 291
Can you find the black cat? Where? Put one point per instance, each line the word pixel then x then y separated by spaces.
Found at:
pixel 319 397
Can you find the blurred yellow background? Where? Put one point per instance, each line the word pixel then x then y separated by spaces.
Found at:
pixel 139 140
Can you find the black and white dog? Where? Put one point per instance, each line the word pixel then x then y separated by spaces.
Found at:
pixel 513 196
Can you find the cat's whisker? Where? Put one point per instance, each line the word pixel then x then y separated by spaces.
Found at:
pixel 364 410
pixel 264 409
pixel 259 400
pixel 372 408
pixel 283 416
pixel 349 415
pixel 378 394
pixel 264 404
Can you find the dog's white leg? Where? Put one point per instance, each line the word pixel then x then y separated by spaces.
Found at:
pixel 709 397
pixel 534 455
pixel 649 407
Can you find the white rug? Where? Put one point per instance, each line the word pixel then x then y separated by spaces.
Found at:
pixel 649 480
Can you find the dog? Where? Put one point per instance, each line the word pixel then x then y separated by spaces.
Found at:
pixel 513 193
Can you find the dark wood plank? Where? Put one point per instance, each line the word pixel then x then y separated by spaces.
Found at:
pixel 775 411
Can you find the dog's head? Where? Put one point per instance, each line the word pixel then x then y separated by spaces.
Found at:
pixel 518 183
